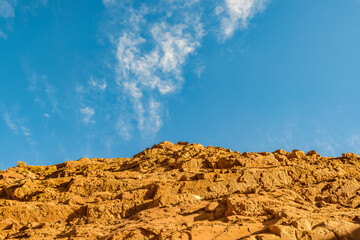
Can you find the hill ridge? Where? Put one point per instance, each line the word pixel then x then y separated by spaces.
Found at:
pixel 185 191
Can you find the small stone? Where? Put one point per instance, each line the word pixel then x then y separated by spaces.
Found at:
pixel 171 161
pixel 211 207
pixel 297 154
pixel 265 153
pixel 219 178
pixel 284 232
pixel 184 178
pixel 281 152
pixel 302 224
pixel 357 219
pixel 350 155
pixel 312 153
pixel 341 172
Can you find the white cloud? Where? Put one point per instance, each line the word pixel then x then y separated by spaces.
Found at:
pixel 10 123
pixel 157 70
pixel 354 143
pixel 161 68
pixel 79 89
pixel 7 8
pixel 153 44
pixel 25 131
pixel 2 35
pixel 16 125
pixel 135 97
pixel 237 13
pixel 199 69
pixel 155 122
pixel 46 115
pixel 45 94
pixel 43 2
pixel 108 3
pixel 87 113
pixel 124 128
pixel 97 84
pixel 27 134
pixel 51 92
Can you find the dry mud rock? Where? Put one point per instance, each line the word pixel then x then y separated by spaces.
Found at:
pixel 185 191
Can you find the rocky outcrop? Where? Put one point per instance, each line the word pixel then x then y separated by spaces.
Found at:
pixel 185 191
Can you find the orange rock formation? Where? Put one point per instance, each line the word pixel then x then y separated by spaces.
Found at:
pixel 185 191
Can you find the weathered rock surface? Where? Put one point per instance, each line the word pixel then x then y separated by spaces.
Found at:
pixel 185 191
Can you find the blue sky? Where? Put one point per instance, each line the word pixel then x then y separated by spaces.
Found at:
pixel 110 78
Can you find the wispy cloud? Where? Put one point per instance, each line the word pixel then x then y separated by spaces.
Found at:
pixel 236 14
pixel 199 69
pixel 124 128
pixel 7 8
pixel 326 140
pixel 10 123
pixel 26 131
pixel 108 3
pixel 158 69
pixel 354 143
pixel 45 94
pixel 155 116
pixel 151 54
pixel 99 84
pixel 2 35
pixel 90 95
pixel 153 44
pixel 18 125
pixel 86 114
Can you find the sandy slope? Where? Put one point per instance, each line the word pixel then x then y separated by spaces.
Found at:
pixel 185 191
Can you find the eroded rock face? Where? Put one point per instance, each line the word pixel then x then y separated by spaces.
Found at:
pixel 185 191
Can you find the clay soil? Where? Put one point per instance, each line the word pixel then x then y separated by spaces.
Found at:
pixel 185 191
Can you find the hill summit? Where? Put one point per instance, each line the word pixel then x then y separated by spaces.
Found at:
pixel 185 191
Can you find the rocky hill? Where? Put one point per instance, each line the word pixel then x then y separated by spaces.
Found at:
pixel 185 191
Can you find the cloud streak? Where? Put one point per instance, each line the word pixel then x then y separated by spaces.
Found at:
pixel 10 123
pixel 7 8
pixel 45 94
pixel 86 114
pixel 17 125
